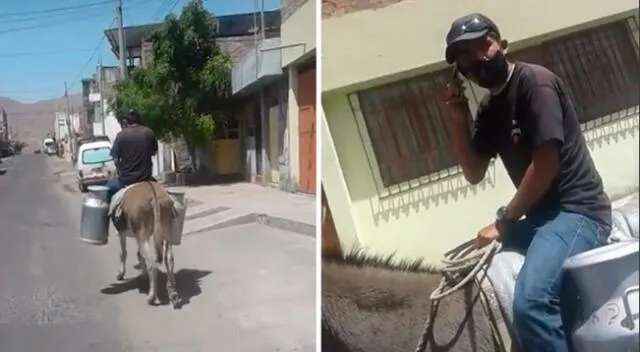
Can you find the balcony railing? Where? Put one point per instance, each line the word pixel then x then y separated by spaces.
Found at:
pixel 259 66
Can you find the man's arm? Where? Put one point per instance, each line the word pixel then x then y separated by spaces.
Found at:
pixel 474 153
pixel 115 150
pixel 544 122
pixel 154 144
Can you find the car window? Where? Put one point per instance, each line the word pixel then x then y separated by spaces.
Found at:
pixel 96 155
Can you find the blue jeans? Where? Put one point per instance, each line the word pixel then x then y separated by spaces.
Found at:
pixel 547 242
pixel 114 185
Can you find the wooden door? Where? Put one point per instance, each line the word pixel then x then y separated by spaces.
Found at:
pixel 307 130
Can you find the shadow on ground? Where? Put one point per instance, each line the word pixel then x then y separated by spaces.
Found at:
pixel 187 282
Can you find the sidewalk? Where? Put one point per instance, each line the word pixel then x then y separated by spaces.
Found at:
pixel 221 206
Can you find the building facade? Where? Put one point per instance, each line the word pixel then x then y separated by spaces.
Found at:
pixel 390 179
pixel 224 158
pixel 298 48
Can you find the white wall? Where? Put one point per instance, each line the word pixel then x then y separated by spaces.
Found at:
pixel 298 33
pixel 96 127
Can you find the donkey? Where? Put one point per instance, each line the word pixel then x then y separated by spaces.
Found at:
pixel 371 304
pixel 147 210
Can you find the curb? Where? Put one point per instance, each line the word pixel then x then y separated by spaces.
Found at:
pixel 298 227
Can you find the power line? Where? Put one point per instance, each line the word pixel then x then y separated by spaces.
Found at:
pixel 32 18
pixel 78 17
pixel 57 9
pixel 170 4
pixel 48 24
pixel 43 52
pixel 175 3
pixel 93 55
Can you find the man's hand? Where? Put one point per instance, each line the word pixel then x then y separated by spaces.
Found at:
pixel 456 100
pixel 486 235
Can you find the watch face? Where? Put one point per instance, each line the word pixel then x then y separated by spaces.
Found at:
pixel 501 213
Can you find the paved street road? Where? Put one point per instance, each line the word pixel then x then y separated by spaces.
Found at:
pixel 250 288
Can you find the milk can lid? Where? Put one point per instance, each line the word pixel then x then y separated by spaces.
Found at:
pixel 603 254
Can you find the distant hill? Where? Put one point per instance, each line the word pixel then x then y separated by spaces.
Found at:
pixel 32 121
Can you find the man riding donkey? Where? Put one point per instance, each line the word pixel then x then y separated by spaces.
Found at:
pixel 140 204
pixel 528 119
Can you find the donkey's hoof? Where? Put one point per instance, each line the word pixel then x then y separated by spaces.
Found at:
pixel 152 300
pixel 120 276
pixel 176 301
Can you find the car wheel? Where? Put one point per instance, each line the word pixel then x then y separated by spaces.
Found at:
pixel 82 188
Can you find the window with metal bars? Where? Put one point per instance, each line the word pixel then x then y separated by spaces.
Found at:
pixel 409 127
pixel 408 123
pixel 599 66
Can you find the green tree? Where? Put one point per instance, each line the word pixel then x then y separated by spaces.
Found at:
pixel 181 92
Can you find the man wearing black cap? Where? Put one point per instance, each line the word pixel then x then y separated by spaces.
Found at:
pixel 132 151
pixel 529 121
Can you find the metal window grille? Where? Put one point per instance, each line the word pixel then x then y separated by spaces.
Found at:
pixel 599 66
pixel 409 127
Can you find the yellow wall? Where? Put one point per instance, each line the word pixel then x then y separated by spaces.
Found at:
pixel 429 219
pixel 335 187
pixel 371 44
pixel 298 33
pixel 227 156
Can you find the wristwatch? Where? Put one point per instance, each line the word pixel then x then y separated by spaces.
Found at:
pixel 502 216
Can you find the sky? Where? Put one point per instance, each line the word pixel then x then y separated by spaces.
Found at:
pixel 43 43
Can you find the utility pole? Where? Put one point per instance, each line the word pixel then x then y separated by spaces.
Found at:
pixel 121 44
pixel 68 119
pixel 101 88
pixel 262 34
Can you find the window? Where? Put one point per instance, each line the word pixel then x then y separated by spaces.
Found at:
pixel 409 128
pixel 599 66
pixel 96 155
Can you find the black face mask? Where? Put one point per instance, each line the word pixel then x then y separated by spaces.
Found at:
pixel 489 74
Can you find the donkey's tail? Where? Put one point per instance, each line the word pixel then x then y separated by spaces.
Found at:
pixel 157 228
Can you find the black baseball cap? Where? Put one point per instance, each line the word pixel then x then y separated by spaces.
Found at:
pixel 469 27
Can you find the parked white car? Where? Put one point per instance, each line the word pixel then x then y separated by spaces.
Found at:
pixel 49 146
pixel 94 165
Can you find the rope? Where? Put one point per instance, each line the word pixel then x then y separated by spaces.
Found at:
pixel 464 259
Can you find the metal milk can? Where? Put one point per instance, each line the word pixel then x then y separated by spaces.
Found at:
pixel 180 206
pixel 607 280
pixel 94 219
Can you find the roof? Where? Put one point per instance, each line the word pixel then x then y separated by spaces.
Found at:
pixel 238 25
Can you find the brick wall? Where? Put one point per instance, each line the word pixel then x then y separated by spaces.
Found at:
pixel 335 8
pixel 288 7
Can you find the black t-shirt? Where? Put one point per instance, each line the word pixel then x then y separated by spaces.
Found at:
pixel 532 109
pixel 133 148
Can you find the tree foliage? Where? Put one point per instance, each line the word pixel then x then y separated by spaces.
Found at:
pixel 180 92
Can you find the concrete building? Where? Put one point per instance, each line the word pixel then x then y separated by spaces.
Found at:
pixel 236 35
pixel 277 121
pixel 298 46
pixel 390 180
pixel 61 128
